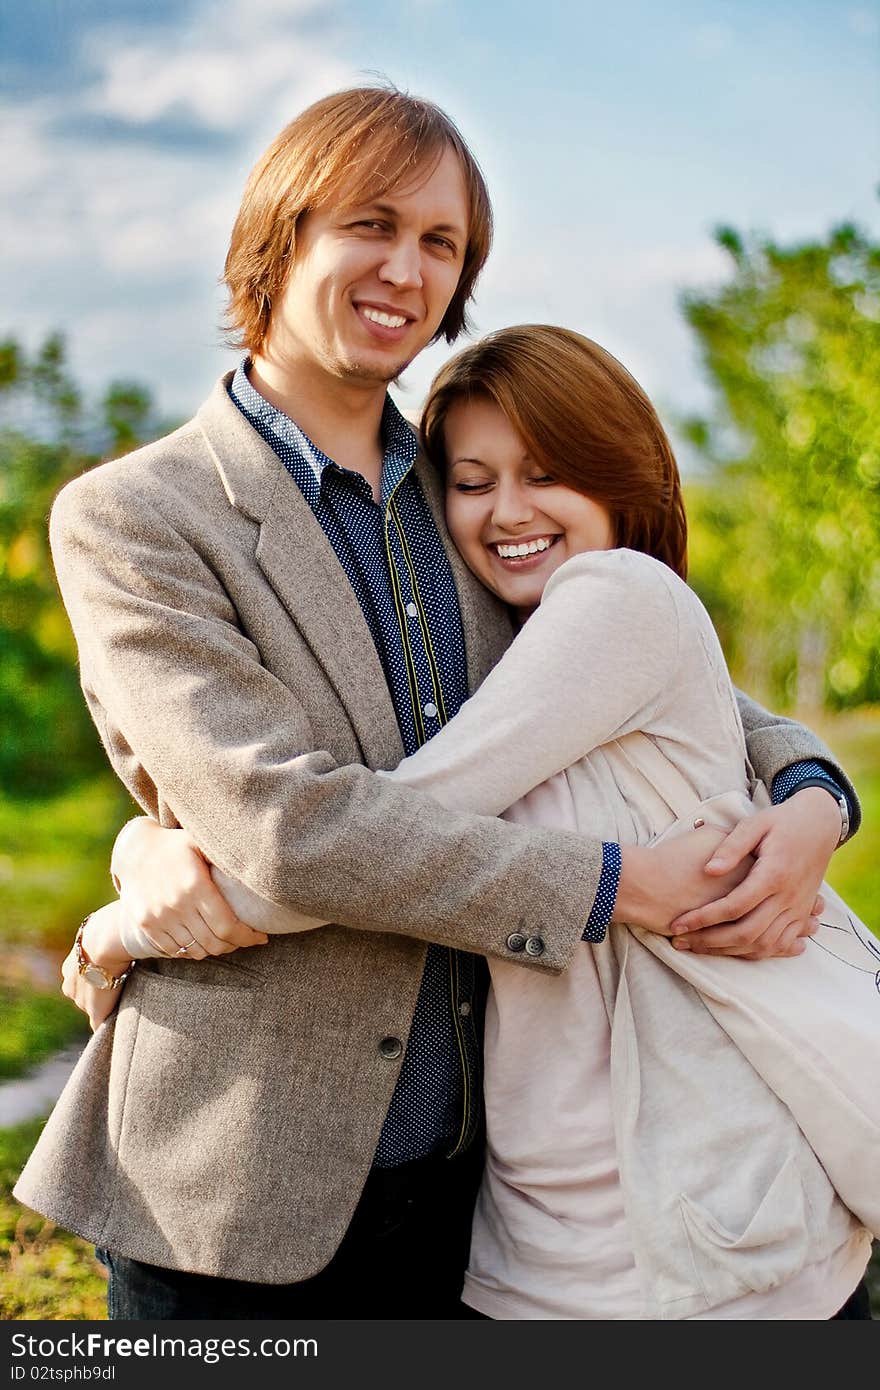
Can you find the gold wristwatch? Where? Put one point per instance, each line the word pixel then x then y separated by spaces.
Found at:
pixel 95 975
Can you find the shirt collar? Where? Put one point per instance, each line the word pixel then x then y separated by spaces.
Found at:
pixel 286 438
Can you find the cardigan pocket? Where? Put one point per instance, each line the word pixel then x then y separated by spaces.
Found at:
pixel 771 1248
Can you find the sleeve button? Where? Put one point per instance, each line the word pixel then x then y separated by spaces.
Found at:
pixel 535 946
pixel 516 941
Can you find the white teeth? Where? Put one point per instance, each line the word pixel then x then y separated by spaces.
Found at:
pixel 513 552
pixel 386 320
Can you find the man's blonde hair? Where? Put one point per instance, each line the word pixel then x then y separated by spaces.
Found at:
pixel 365 141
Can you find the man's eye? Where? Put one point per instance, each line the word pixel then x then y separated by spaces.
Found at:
pixel 444 245
pixel 370 225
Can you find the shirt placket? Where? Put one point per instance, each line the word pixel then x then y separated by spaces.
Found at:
pixel 430 712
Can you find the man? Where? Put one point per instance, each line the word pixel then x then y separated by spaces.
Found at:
pixel 266 608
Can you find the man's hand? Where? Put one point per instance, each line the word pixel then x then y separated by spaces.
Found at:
pixel 776 906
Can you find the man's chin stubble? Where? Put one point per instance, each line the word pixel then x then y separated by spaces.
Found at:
pixel 361 371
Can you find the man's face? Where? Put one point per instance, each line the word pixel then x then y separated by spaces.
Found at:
pixel 370 285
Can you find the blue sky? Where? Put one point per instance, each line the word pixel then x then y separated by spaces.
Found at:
pixel 614 138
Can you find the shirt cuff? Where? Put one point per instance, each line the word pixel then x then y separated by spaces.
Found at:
pixel 602 912
pixel 807 774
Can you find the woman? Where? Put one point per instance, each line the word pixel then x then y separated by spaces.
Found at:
pixel 608 1191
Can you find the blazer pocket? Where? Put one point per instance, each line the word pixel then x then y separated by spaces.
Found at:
pixel 771 1248
pixel 196 1079
pixel 215 1011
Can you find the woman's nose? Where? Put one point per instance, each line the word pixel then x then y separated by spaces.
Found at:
pixel 512 507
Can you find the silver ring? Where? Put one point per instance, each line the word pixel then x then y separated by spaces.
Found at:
pixel 182 950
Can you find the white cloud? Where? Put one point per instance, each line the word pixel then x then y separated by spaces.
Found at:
pixel 864 22
pixel 119 242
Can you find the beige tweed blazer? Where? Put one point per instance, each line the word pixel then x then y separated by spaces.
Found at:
pixel 225 1119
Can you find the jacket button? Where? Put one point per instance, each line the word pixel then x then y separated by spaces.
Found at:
pixel 535 946
pixel 390 1048
pixel 516 941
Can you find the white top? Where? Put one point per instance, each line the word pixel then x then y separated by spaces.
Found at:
pixel 618 644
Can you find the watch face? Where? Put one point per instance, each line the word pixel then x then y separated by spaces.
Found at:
pixel 95 976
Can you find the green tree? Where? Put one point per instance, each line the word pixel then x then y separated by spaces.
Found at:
pixel 47 436
pixel 787 510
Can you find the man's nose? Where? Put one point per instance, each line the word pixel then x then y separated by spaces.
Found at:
pixel 512 507
pixel 402 266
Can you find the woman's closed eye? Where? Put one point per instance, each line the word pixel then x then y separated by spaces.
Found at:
pixel 483 484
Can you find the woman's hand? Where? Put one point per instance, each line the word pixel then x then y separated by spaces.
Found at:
pixel 776 905
pixel 169 898
pixel 102 946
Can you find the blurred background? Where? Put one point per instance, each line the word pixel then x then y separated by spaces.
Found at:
pixel 693 185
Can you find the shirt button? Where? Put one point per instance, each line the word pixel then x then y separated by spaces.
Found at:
pixel 464 1009
pixel 535 946
pixel 430 710
pixel 412 611
pixel 391 1048
pixel 516 941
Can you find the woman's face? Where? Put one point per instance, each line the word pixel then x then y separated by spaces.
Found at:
pixel 499 501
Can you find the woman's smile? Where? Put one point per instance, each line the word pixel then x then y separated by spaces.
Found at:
pixel 512 522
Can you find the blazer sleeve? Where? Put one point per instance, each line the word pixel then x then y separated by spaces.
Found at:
pixel 775 742
pixel 205 736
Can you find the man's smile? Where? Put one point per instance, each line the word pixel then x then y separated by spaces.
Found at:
pixel 386 322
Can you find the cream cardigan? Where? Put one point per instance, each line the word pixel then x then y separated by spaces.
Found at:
pixel 641 1172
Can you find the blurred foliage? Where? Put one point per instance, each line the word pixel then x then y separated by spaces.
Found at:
pixel 786 515
pixel 47 436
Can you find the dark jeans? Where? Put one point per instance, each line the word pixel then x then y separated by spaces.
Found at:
pixel 403 1256
pixel 858 1305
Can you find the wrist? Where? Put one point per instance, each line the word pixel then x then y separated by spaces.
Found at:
pixel 826 810
pixel 101 941
pixel 634 898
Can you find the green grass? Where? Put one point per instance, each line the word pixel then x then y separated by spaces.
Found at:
pixel 855 869
pixel 33 1026
pixel 44 1272
pixel 54 865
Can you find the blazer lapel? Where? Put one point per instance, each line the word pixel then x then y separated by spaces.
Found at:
pixel 301 565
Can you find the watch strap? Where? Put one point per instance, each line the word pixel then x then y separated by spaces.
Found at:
pixel 88 969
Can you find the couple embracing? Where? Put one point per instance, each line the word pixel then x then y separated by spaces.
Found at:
pixel 379 698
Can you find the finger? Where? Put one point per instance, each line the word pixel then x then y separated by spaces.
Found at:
pixel 741 935
pixel 745 836
pixel 818 906
pixel 219 916
pixel 745 898
pixel 171 941
pixel 214 945
pixel 796 948
pixel 229 932
pixel 783 936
